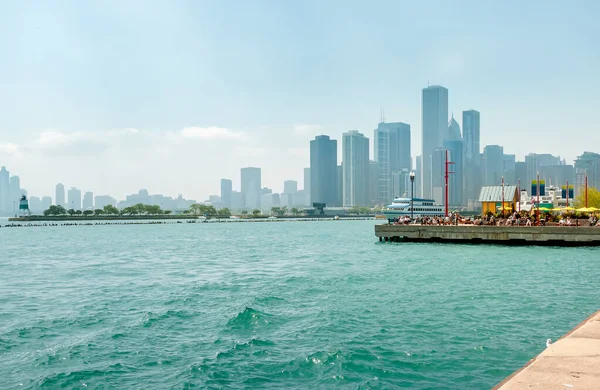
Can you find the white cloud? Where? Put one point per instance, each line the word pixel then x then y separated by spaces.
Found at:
pixel 10 148
pixel 211 132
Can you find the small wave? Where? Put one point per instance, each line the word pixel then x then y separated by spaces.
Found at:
pixel 82 377
pixel 256 345
pixel 151 318
pixel 249 318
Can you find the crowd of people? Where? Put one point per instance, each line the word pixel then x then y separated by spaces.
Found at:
pixel 514 219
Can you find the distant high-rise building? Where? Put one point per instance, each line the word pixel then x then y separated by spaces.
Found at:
pixel 88 201
pixel 74 199
pixel 435 125
pixel 46 203
pixel 521 174
pixel 15 193
pixel 290 187
pixel 438 173
pixel 307 182
pixel 453 130
pixel 587 164
pixel 101 201
pixel 509 169
pixel 355 171
pixel 237 201
pixel 472 153
pixel 35 205
pixel 418 174
pixel 558 175
pixel 5 203
pixel 339 185
pixel 373 183
pixel 226 189
pixel 455 180
pixel 536 161
pixel 392 154
pixel 59 197
pixel 251 185
pixel 493 168
pixel 323 170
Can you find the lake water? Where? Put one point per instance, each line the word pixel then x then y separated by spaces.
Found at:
pixel 276 305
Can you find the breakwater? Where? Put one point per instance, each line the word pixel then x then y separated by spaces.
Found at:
pixel 573 361
pixel 506 235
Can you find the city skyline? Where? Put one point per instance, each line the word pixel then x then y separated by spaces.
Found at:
pixel 81 103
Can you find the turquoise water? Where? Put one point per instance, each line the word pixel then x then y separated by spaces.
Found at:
pixel 276 305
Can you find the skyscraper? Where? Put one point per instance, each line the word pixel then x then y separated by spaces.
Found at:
pixel 251 185
pixel 536 161
pixel 74 199
pixel 59 197
pixel 392 154
pixel 46 203
pixel 88 201
pixel 307 185
pixel 226 189
pixel 438 173
pixel 290 187
pixel 355 171
pixel 373 183
pixel 15 190
pixel 435 125
pixel 453 130
pixel 472 153
pixel 323 170
pixel 5 206
pixel 587 164
pixel 493 167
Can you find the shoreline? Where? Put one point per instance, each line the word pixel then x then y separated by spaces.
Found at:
pixel 165 221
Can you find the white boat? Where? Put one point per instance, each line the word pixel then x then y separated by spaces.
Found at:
pixel 400 207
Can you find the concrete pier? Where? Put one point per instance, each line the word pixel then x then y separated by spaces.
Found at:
pixel 572 362
pixel 506 235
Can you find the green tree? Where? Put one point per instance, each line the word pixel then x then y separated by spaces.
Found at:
pixel 275 210
pixel 244 212
pixel 593 196
pixel 364 210
pixel 354 210
pixel 166 212
pixel 224 212
pixel 88 213
pixel 110 210
pixel 295 211
pixel 55 210
pixel 71 212
pixel 98 212
pixel 78 212
pixel 255 213
pixel 152 209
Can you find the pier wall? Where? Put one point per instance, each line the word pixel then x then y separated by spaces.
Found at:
pixel 573 361
pixel 510 235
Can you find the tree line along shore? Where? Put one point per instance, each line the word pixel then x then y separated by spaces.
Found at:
pixel 145 212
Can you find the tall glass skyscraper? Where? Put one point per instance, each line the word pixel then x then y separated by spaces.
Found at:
pixel 435 125
pixel 392 154
pixel 472 153
pixel 226 189
pixel 251 185
pixel 355 169
pixel 493 166
pixel 59 198
pixel 323 170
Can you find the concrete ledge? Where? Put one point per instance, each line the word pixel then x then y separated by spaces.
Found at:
pixel 508 235
pixel 573 362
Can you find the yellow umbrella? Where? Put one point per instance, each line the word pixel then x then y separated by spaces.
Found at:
pixel 584 210
pixel 593 209
pixel 569 208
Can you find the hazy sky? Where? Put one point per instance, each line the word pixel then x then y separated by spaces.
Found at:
pixel 113 96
